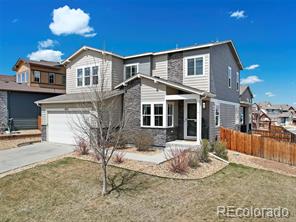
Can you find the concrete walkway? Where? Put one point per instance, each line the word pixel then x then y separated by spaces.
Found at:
pixel 19 157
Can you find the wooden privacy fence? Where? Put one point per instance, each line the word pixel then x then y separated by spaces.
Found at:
pixel 278 133
pixel 259 146
pixel 39 122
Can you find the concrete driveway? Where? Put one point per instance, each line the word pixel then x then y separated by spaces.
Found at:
pixel 18 157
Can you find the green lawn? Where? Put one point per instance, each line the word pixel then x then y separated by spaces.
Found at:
pixel 69 190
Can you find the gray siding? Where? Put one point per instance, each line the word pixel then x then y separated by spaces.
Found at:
pixel 202 81
pixel 152 92
pixel 221 58
pixel 175 67
pixel 246 96
pixel 160 66
pixel 144 64
pixel 3 110
pixel 117 71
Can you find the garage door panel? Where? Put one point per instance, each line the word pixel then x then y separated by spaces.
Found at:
pixel 63 127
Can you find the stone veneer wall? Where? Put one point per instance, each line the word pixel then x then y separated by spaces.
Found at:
pixel 3 110
pixel 132 107
pixel 43 133
pixel 175 67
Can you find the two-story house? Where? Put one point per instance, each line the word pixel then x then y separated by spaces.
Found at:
pixel 34 80
pixel 180 94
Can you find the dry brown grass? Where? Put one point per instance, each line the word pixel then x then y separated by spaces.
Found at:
pixel 68 190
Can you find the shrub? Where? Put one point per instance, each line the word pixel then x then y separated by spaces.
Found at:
pixel 82 147
pixel 118 157
pixel 193 159
pixel 143 141
pixel 220 150
pixel 204 155
pixel 124 139
pixel 178 161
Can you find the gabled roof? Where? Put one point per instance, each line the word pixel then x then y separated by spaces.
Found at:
pixel 228 42
pixel 56 65
pixel 76 97
pixel 7 78
pixel 172 84
pixel 243 88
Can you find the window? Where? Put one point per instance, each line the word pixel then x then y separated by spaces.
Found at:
pixel 131 70
pixel 158 115
pixel 79 77
pixel 87 76
pixel 23 77
pixel 195 66
pixel 51 78
pixel 36 76
pixel 217 114
pixel 237 115
pixel 146 114
pixel 229 76
pixel 17 78
pixel 170 114
pixel 95 78
pixel 237 81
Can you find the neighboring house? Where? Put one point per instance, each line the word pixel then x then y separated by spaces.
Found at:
pixel 260 120
pixel 280 114
pixel 180 94
pixel 246 100
pixel 42 74
pixel 34 80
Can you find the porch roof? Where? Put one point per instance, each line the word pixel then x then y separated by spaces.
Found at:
pixel 166 82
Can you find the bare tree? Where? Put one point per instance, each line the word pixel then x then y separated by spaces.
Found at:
pixel 101 121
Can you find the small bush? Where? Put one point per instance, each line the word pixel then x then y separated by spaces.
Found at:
pixel 204 155
pixel 118 157
pixel 82 147
pixel 178 161
pixel 220 150
pixel 193 159
pixel 124 139
pixel 143 141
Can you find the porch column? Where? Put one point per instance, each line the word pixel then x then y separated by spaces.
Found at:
pixel 198 120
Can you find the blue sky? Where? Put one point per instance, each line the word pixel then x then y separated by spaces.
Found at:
pixel 264 33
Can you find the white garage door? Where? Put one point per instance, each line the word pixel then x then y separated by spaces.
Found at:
pixel 63 127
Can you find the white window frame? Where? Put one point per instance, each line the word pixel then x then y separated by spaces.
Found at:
pixel 158 115
pixel 83 75
pixel 217 106
pixel 152 119
pixel 54 78
pixel 229 77
pixel 128 65
pixel 194 57
pixel 39 75
pixel 17 78
pixel 172 115
pixel 237 81
pixel 79 77
pixel 92 75
pixel 237 115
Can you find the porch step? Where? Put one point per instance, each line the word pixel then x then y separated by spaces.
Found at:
pixel 181 144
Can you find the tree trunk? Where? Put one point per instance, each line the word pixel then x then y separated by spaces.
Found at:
pixel 104 178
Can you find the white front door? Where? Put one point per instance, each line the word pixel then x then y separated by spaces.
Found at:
pixel 190 120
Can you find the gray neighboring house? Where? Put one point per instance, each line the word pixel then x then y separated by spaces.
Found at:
pixel 17 102
pixel 246 101
pixel 180 94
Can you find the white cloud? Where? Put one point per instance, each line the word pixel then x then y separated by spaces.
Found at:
pixel 251 67
pixel 49 43
pixel 68 21
pixel 269 94
pixel 251 80
pixel 46 54
pixel 238 14
pixel 14 20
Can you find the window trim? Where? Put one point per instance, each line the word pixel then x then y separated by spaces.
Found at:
pixel 237 81
pixel 173 114
pixel 131 64
pixel 217 105
pixel 91 75
pixel 152 123
pixel 194 57
pixel 229 77
pixel 39 76
pixel 54 78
